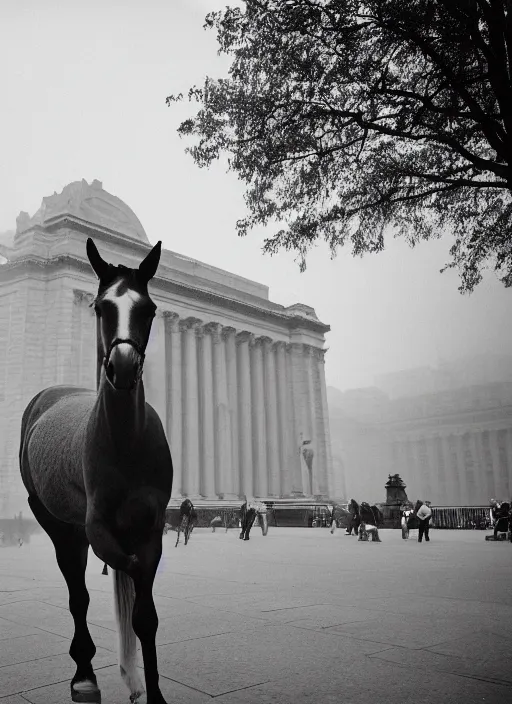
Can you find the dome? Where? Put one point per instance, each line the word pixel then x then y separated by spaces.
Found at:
pixel 90 203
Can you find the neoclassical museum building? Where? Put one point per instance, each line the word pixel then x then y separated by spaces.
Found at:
pixel 238 381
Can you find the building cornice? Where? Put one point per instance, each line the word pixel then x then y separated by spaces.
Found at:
pixel 31 264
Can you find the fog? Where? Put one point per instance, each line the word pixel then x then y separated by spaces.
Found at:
pixel 84 87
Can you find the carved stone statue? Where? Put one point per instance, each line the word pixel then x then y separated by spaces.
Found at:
pixel 307 455
pixel 395 491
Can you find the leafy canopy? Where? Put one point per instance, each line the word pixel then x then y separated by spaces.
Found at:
pixel 345 118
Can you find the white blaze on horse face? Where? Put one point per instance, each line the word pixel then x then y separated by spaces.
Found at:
pixel 124 304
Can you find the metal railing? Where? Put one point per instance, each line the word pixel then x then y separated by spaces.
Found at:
pixel 460 517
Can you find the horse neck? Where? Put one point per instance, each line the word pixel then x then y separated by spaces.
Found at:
pixel 122 414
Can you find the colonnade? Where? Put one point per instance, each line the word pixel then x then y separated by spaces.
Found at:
pixel 238 406
pixel 461 467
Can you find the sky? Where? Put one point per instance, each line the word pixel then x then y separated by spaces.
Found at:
pixel 83 87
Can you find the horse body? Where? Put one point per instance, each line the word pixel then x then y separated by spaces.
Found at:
pixel 53 428
pixel 98 471
pixel 188 518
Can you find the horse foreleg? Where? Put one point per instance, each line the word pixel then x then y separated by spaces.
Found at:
pixel 145 619
pixel 249 524
pixel 188 530
pixel 178 536
pixel 71 547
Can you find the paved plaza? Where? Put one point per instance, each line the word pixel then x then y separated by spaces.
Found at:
pixel 297 616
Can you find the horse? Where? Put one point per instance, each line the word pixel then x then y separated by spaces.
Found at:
pixel 98 471
pixel 338 513
pixel 355 519
pixel 248 512
pixel 188 519
pixel 371 517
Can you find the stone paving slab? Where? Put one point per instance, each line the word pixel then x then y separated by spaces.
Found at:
pixel 298 616
pixel 113 691
pixel 496 669
pixel 368 681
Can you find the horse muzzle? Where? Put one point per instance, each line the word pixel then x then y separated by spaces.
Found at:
pixel 123 367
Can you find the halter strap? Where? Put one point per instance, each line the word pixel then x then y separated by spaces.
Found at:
pixel 136 347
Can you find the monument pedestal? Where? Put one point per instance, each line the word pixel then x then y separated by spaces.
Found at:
pixel 395 499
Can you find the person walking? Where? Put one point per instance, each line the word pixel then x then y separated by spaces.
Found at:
pixel 423 514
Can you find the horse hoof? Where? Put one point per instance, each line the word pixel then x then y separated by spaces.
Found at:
pixel 85 691
pixel 139 698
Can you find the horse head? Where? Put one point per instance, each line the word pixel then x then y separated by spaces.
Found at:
pixel 124 313
pixel 353 506
pixel 186 507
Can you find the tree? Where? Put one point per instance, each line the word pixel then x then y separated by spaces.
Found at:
pixel 345 119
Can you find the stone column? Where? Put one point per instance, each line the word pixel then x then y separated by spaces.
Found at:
pixel 272 429
pixel 460 497
pixel 480 484
pixel 244 411
pixel 296 401
pixel 435 484
pixel 414 482
pixel 223 458
pixel 441 464
pixel 155 368
pixel 506 487
pixel 190 409
pixel 287 456
pixel 228 334
pixel 84 332
pixel 469 469
pixel 309 363
pixel 259 444
pixel 323 467
pixel 424 468
pixel 487 464
pixel 206 423
pixel 174 401
pixel 448 474
pixel 501 486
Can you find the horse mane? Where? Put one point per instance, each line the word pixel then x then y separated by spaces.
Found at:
pixel 354 505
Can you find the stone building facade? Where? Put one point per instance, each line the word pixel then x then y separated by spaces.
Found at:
pixel 453 447
pixel 238 381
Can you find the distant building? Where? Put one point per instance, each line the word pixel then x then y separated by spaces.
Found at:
pixel 475 370
pixel 238 380
pixel 453 447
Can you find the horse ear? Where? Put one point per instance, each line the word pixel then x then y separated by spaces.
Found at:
pixel 98 264
pixel 148 267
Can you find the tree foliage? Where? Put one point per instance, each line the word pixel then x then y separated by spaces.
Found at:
pixel 345 119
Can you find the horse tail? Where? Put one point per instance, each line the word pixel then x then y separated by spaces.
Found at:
pixel 124 599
